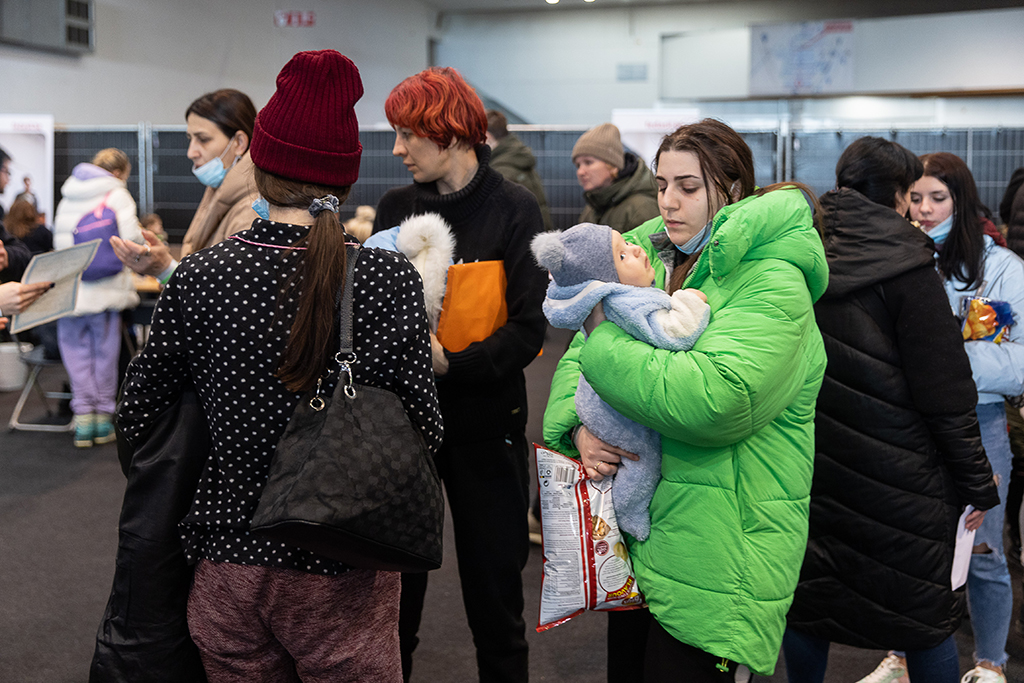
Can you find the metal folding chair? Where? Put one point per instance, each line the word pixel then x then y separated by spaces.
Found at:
pixel 37 362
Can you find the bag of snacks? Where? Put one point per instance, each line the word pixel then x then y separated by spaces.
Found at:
pixel 985 319
pixel 586 563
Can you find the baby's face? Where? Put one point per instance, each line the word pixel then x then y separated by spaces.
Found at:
pixel 631 263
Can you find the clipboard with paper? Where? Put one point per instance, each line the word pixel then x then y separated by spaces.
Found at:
pixel 64 268
pixel 474 304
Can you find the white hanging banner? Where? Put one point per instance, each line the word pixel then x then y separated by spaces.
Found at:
pixel 643 129
pixel 28 140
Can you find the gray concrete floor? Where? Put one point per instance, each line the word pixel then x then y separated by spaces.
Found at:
pixel 58 534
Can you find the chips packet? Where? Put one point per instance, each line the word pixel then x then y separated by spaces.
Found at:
pixel 586 561
pixel 985 319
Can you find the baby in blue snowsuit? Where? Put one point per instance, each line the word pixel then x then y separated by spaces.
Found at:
pixel 591 264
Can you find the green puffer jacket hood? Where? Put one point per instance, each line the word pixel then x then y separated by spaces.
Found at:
pixel 630 200
pixel 736 416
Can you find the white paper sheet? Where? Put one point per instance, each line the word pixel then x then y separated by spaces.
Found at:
pixel 962 554
pixel 64 268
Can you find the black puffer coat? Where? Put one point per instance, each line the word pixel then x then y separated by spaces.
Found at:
pixel 898 450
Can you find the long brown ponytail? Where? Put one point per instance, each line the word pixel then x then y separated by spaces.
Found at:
pixel 319 277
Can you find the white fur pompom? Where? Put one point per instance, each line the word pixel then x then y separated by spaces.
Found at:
pixel 428 242
pixel 548 250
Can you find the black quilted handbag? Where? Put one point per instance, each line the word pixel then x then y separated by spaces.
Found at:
pixel 352 478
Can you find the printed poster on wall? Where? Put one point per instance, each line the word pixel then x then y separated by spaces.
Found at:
pixel 643 129
pixel 810 58
pixel 28 140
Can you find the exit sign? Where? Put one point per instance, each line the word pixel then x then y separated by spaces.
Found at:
pixel 294 18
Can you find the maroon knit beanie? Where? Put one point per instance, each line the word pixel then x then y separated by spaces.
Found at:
pixel 308 130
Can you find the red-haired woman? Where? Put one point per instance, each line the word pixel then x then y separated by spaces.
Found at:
pixel 440 128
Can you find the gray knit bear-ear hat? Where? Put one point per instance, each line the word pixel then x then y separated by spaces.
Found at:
pixel 579 254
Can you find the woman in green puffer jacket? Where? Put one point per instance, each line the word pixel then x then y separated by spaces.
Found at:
pixel 735 413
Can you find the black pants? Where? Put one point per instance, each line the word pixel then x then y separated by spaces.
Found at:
pixel 488 494
pixel 627 644
pixel 669 661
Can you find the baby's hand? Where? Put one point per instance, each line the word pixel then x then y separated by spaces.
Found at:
pixel 696 292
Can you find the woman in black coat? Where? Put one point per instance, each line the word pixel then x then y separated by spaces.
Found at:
pixel 898 450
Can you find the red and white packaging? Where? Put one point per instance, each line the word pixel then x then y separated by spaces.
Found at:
pixel 586 562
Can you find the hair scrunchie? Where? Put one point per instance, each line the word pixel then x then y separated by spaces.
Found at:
pixel 328 203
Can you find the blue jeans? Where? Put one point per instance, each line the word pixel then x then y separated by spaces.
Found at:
pixel 989 593
pixel 807 657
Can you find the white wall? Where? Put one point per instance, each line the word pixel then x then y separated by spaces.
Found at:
pixel 560 67
pixel 153 57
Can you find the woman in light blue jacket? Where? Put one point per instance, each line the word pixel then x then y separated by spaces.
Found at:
pixel 945 202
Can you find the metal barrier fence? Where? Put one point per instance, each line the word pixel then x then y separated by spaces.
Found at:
pixel 163 183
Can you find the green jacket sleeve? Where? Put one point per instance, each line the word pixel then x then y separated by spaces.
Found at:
pixel 746 368
pixel 560 415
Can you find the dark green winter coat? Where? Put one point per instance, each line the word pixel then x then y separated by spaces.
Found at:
pixel 514 160
pixel 630 200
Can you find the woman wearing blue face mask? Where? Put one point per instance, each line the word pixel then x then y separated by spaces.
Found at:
pixel 729 516
pixel 945 202
pixel 220 127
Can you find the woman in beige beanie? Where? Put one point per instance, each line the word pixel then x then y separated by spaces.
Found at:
pixel 618 187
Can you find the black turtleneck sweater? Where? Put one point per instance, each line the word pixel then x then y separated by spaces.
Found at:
pixel 483 394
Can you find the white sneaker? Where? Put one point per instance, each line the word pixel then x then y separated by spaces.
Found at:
pixel 982 675
pixel 892 669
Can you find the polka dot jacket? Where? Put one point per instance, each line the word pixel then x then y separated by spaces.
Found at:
pixel 218 323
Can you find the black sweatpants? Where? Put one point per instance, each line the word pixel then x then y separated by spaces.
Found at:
pixel 487 484
pixel 669 660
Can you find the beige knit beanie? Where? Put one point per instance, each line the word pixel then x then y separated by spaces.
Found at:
pixel 602 142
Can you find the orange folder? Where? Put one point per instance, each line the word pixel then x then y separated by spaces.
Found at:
pixel 474 304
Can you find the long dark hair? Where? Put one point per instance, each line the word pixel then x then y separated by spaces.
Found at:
pixel 230 110
pixel 320 275
pixel 727 165
pixel 878 168
pixel 963 254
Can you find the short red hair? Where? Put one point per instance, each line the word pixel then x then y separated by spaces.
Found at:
pixel 438 104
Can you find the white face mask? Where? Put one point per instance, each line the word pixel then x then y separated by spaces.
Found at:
pixel 212 172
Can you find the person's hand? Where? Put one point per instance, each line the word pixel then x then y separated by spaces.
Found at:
pixel 16 297
pixel 437 356
pixel 3 256
pixel 974 520
pixel 699 294
pixel 151 258
pixel 3 323
pixel 595 318
pixel 599 459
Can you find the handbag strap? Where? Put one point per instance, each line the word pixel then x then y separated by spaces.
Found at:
pixel 346 303
pixel 345 355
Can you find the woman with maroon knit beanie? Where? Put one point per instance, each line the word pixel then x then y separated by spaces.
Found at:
pixel 251 322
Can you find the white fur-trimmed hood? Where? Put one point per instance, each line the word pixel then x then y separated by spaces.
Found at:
pixel 427 241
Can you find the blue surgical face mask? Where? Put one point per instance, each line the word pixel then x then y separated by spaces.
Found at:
pixel 941 231
pixel 697 241
pixel 212 172
pixel 262 208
